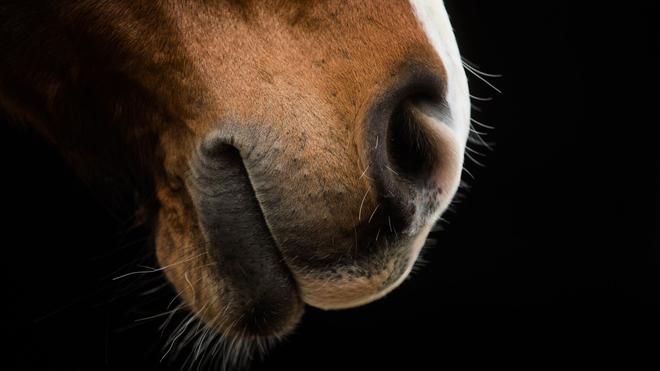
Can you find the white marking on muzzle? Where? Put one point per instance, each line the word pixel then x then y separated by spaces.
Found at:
pixel 434 19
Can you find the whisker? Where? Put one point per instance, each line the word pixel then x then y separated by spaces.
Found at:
pixel 180 332
pixel 475 67
pixel 474 151
pixel 362 204
pixel 185 275
pixel 473 130
pixel 392 170
pixel 480 77
pixel 364 172
pixel 481 99
pixel 468 172
pixel 467 154
pixel 158 315
pixel 482 124
pixel 373 213
pixel 154 270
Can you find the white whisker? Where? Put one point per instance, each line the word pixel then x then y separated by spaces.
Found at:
pixel 475 68
pixel 362 204
pixel 481 99
pixel 482 124
pixel 373 213
pixel 364 172
pixel 480 77
pixel 154 270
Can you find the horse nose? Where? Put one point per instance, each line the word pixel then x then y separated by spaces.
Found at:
pixel 412 149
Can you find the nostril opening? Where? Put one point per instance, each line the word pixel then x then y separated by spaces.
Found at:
pixel 404 145
pixel 410 150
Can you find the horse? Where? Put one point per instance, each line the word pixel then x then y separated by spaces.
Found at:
pixel 287 153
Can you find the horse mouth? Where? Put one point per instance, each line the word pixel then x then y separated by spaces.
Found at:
pixel 257 289
pixel 261 286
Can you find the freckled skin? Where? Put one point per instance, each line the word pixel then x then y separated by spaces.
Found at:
pixel 134 89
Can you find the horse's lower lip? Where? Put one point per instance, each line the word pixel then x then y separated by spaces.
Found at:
pixel 249 262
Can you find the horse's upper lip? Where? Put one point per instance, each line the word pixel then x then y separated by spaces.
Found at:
pixel 249 262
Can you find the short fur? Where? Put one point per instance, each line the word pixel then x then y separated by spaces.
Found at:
pixel 258 135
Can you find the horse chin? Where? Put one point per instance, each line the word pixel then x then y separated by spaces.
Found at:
pixel 221 256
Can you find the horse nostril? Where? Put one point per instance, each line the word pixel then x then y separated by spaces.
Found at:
pixel 406 137
pixel 410 150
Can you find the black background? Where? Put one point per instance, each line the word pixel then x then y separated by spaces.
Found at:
pixel 553 255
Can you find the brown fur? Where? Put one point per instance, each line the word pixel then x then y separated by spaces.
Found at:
pixel 129 89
